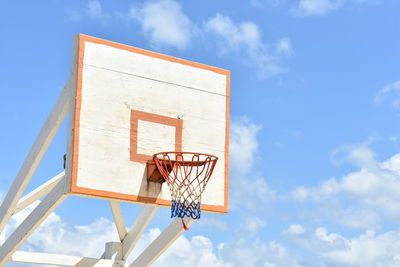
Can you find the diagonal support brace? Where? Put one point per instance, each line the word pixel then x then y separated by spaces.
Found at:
pixel 34 156
pixel 34 219
pixel 161 243
pixel 146 214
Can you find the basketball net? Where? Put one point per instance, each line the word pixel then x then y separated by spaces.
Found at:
pixel 187 175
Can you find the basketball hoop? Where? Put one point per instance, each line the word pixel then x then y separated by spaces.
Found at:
pixel 186 174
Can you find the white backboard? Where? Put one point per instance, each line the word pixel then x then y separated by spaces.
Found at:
pixel 131 103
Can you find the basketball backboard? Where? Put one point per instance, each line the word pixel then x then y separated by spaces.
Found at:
pixel 132 103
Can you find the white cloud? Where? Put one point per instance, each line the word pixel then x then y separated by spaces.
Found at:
pixel 239 252
pixel 236 34
pixel 248 189
pixel 318 241
pixel 95 10
pixel 197 252
pixel 284 47
pixel 360 199
pixel 247 37
pixel 213 223
pixel 259 3
pixel 390 92
pixel 322 7
pixel 251 193
pixel 73 14
pixel 360 155
pixel 315 7
pixel 56 236
pixel 252 224
pixel 295 229
pixel 243 144
pixel 368 249
pixel 164 23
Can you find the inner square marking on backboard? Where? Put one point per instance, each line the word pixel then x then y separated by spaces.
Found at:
pixel 137 116
pixel 155 137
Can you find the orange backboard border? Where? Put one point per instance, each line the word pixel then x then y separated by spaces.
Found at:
pixel 75 189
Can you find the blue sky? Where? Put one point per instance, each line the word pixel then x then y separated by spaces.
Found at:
pixel 315 136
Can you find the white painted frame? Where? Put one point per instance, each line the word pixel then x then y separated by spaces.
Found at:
pixel 37 193
pixel 118 218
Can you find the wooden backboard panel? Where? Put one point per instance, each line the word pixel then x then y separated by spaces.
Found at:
pixel 132 103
